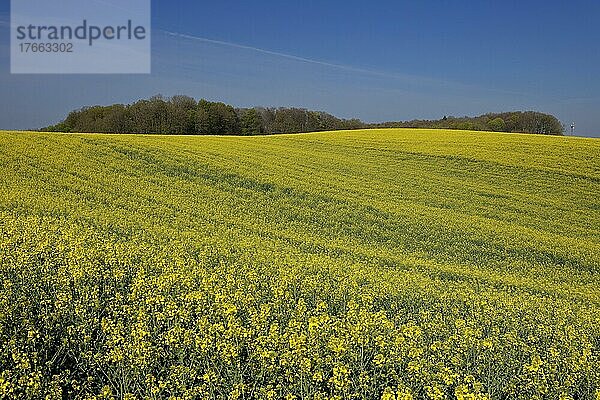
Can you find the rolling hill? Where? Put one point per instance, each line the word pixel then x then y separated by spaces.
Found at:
pixel 390 263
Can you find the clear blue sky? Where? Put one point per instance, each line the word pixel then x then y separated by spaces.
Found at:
pixel 386 60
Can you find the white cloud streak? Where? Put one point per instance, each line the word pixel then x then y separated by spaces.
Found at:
pixel 348 68
pixel 405 78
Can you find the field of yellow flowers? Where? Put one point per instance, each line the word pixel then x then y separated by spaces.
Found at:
pixel 380 264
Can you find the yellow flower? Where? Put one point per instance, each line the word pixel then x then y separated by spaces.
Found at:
pixel 388 394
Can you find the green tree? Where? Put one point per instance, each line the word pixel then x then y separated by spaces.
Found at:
pixel 216 118
pixel 497 125
pixel 251 122
pixel 182 115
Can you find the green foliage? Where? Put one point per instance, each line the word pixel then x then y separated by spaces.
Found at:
pixel 391 264
pixel 216 119
pixel 497 125
pixel 518 122
pixel 182 111
pixel 251 122
pixel 182 115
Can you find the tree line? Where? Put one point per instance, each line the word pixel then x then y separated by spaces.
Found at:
pixel 180 115
pixel 184 115
pixel 516 121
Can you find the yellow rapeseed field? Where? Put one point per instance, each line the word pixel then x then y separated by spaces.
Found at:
pixel 379 264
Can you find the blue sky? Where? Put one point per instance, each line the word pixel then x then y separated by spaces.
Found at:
pixel 386 60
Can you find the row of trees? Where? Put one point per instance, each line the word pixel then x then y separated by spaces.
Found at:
pixel 184 115
pixel 518 121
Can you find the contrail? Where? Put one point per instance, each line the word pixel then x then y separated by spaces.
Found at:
pixel 293 57
pixel 410 79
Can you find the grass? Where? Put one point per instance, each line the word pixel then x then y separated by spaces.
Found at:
pixel 390 264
